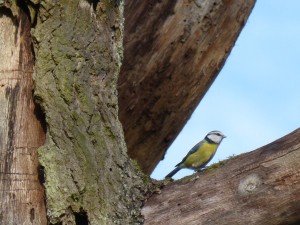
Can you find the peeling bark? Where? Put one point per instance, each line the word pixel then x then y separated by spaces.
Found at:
pixel 173 51
pixel 21 125
pixel 259 187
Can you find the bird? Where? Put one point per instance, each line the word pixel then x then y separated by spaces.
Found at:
pixel 201 153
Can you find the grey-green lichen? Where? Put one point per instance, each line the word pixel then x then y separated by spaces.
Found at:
pixel 217 165
pixel 212 168
pixel 78 50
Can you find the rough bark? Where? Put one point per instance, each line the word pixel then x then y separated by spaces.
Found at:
pixel 21 131
pixel 88 176
pixel 173 51
pixel 259 187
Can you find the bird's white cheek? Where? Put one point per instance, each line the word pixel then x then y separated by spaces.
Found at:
pixel 215 138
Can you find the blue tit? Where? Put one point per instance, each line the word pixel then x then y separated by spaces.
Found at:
pixel 201 153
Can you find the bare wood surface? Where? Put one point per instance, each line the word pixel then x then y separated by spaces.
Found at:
pixel 173 51
pixel 21 132
pixel 259 187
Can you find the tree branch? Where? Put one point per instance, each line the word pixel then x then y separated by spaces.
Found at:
pixel 259 187
pixel 173 51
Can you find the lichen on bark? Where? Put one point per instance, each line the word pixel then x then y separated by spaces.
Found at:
pixel 78 47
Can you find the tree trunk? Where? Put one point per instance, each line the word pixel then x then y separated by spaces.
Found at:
pixel 88 176
pixel 21 131
pixel 173 51
pixel 259 187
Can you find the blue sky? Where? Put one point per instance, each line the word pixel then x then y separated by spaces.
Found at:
pixel 256 97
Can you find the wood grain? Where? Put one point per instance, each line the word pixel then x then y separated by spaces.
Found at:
pixel 173 51
pixel 21 130
pixel 259 187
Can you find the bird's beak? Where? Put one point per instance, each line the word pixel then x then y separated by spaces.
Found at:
pixel 224 136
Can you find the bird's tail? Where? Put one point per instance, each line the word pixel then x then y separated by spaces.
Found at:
pixel 173 172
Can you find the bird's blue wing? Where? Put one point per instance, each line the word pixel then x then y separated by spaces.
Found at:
pixel 194 149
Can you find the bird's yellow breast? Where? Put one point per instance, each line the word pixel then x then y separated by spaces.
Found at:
pixel 200 157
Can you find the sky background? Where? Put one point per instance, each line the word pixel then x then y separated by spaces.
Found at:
pixel 256 97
